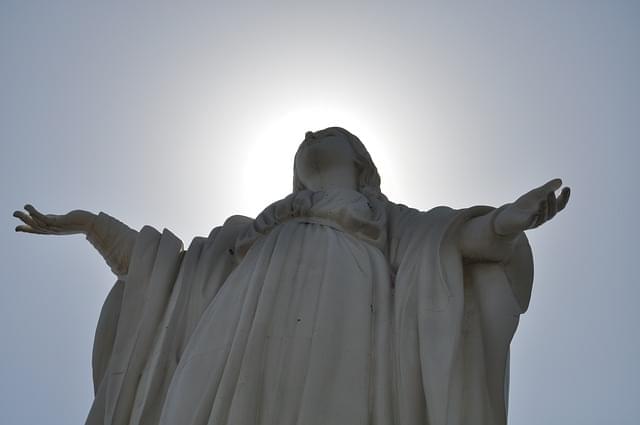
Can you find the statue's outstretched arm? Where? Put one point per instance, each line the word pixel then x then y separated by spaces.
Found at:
pixel 492 236
pixel 113 239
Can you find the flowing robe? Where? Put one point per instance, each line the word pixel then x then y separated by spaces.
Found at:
pixel 328 308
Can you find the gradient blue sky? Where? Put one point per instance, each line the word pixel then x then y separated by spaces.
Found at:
pixel 179 115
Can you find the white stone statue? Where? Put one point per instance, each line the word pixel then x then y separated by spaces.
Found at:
pixel 333 306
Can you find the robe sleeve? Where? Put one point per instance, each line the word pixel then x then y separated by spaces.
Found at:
pixel 480 242
pixel 114 240
pixel 453 320
pixel 150 313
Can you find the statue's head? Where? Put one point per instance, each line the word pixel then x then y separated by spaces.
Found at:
pixel 336 146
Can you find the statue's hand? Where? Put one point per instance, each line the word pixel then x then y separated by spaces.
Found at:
pixel 76 221
pixel 532 209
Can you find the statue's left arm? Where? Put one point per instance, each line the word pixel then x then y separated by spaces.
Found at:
pixel 492 237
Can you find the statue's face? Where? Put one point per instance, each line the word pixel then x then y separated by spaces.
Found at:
pixel 325 158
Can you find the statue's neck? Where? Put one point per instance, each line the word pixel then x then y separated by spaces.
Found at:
pixel 335 177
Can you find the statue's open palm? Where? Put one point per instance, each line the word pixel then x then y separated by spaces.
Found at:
pixel 76 221
pixel 532 209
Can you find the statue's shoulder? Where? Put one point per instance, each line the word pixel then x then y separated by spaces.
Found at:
pixel 402 213
pixel 226 234
pixel 232 227
pixel 238 221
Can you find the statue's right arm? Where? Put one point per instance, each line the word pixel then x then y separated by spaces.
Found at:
pixel 113 239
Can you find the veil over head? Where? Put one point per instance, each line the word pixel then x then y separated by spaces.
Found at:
pixel 368 178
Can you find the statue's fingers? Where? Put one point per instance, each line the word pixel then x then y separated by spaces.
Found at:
pixel 552 205
pixel 26 219
pixel 550 186
pixel 37 215
pixel 563 199
pixel 29 229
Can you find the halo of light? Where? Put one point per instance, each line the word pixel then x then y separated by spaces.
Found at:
pixel 268 170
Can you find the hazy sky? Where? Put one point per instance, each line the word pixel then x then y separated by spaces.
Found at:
pixel 180 115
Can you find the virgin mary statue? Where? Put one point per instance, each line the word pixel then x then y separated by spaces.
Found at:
pixel 334 306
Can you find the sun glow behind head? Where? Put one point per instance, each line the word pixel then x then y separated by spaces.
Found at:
pixel 268 169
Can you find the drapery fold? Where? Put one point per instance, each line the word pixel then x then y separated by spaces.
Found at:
pixel 453 322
